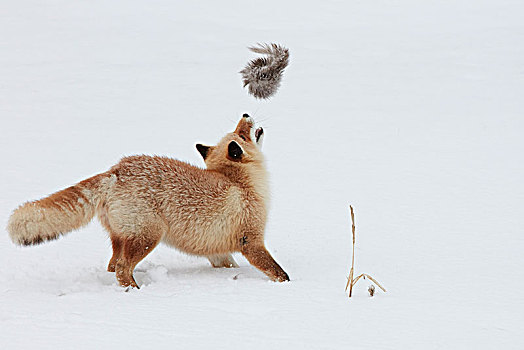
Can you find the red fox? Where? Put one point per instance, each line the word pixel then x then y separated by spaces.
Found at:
pixel 144 200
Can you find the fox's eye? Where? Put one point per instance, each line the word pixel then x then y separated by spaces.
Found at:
pixel 242 137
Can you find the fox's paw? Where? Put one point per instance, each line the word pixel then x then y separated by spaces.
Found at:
pixel 281 276
pixel 111 267
pixel 124 277
pixel 129 283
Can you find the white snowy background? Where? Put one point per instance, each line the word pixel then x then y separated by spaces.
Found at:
pixel 412 111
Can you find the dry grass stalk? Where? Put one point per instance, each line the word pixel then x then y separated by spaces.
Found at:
pixel 351 282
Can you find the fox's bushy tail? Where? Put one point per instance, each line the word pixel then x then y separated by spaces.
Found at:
pixel 62 212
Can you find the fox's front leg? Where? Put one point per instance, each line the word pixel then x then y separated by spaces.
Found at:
pixel 258 256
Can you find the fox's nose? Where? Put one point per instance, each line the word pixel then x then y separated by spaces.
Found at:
pixel 245 115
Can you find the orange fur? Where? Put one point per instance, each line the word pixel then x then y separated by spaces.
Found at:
pixel 144 200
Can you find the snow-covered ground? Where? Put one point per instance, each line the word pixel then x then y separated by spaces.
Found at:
pixel 412 111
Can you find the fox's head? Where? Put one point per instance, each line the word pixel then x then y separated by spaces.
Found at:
pixel 237 149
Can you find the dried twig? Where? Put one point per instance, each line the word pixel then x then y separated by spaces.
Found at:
pixel 351 282
pixel 350 279
pixel 356 279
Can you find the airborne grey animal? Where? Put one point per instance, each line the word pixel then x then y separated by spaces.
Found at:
pixel 262 75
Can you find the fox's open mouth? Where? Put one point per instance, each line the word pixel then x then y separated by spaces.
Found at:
pixel 258 134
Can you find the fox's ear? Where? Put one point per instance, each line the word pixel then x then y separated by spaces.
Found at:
pixel 203 150
pixel 234 150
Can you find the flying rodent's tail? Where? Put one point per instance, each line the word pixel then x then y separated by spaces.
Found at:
pixel 262 75
pixel 62 212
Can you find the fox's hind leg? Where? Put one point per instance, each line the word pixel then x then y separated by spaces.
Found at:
pixel 135 248
pixel 225 260
pixel 117 240
pixel 118 245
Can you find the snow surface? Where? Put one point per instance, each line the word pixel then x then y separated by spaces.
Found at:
pixel 412 111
